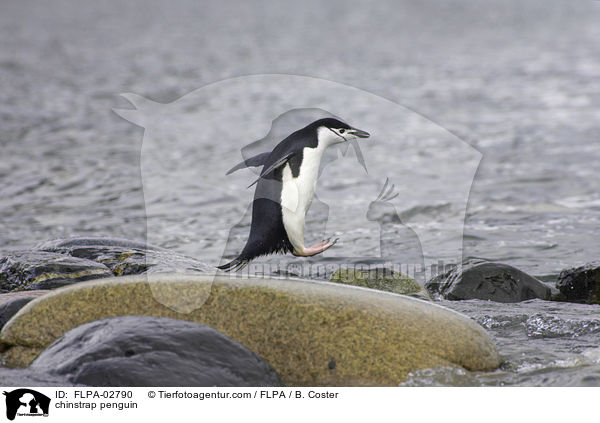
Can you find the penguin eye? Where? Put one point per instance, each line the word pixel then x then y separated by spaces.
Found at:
pixel 342 131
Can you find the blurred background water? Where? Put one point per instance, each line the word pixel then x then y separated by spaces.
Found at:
pixel 518 80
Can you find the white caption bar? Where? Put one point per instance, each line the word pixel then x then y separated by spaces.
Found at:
pixel 296 404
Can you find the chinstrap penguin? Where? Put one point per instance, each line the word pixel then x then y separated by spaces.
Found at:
pixel 285 189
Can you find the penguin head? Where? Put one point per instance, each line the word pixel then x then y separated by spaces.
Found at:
pixel 333 131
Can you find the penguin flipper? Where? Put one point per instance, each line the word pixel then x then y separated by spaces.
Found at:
pixel 274 166
pixel 258 160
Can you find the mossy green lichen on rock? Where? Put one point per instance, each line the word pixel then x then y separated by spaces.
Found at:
pixel 381 279
pixel 298 326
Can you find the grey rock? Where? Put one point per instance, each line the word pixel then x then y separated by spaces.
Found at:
pixel 29 377
pixel 580 284
pixel 70 244
pixel 153 351
pixel 12 302
pixel 31 270
pixel 124 257
pixel 487 281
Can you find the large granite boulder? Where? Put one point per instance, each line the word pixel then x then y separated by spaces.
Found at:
pixel 124 257
pixel 29 270
pixel 487 281
pixel 12 302
pixel 152 351
pixel 580 284
pixel 311 333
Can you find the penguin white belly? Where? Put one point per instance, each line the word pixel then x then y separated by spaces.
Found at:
pixel 297 195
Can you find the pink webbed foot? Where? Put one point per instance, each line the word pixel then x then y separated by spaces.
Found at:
pixel 318 248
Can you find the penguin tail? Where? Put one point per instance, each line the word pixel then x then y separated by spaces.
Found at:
pixel 234 265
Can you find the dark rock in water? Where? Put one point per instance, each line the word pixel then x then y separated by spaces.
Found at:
pixel 68 245
pixel 487 281
pixel 63 262
pixel 580 284
pixel 124 257
pixel 153 351
pixel 46 270
pixel 12 302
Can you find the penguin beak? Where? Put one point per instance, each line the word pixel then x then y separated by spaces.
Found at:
pixel 358 133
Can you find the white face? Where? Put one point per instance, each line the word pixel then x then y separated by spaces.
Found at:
pixel 329 136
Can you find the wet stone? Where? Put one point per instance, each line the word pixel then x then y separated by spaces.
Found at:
pixel 153 351
pixel 124 257
pixel 32 270
pixel 30 377
pixel 580 284
pixel 487 281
